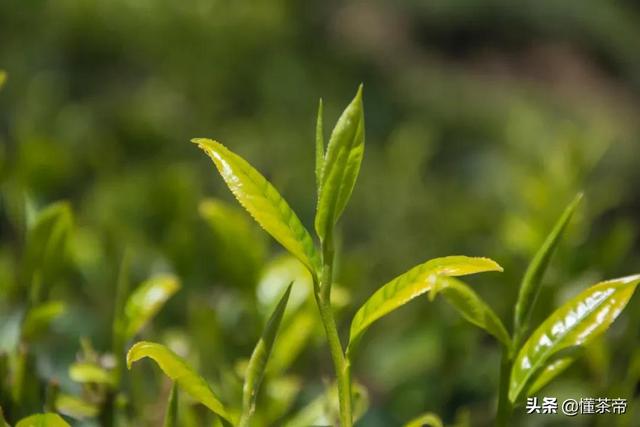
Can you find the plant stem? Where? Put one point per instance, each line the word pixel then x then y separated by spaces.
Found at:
pixel 504 405
pixel 341 365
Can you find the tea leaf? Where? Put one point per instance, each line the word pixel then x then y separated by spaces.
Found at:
pixel 429 419
pixel 145 302
pixel 86 372
pixel 341 165
pixel 263 202
pixel 179 371
pixel 576 323
pixel 551 371
pixel 413 283
pixel 171 415
pixel 530 286
pixel 259 358
pixel 39 318
pixel 43 420
pixel 319 147
pixel 471 307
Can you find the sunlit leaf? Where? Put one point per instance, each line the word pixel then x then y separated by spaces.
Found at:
pixel 263 202
pixel 530 286
pixel 576 323
pixel 259 358
pixel 471 307
pixel 75 407
pixel 412 284
pixel 40 317
pixel 43 420
pixel 425 420
pixel 87 372
pixel 319 147
pixel 341 165
pixel 145 302
pixel 179 371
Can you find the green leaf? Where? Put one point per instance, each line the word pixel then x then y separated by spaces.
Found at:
pixel 259 358
pixel 40 317
pixel 145 302
pixel 3 78
pixel 413 283
pixel 179 371
pixel 3 422
pixel 171 415
pixel 319 147
pixel 43 420
pixel 341 166
pixel 530 286
pixel 429 419
pixel 87 372
pixel 551 371
pixel 576 323
pixel 263 202
pixel 297 332
pixel 471 307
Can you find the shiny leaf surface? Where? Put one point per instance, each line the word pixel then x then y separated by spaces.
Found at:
pixel 532 279
pixel 412 284
pixel 179 371
pixel 471 307
pixel 341 165
pixel 263 202
pixel 43 420
pixel 575 323
pixel 145 302
pixel 259 358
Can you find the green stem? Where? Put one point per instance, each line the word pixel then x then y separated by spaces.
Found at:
pixel 341 365
pixel 504 404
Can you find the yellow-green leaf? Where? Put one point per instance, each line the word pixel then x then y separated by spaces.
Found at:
pixel 429 419
pixel 575 323
pixel 263 202
pixel 145 302
pixel 43 420
pixel 87 372
pixel 179 371
pixel 259 358
pixel 532 279
pixel 40 317
pixel 341 165
pixel 413 283
pixel 3 78
pixel 471 307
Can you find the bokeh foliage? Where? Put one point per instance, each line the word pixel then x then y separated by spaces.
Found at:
pixel 483 121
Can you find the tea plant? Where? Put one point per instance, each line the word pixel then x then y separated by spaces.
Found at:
pixel 336 172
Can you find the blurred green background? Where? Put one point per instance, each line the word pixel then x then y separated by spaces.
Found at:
pixel 483 119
